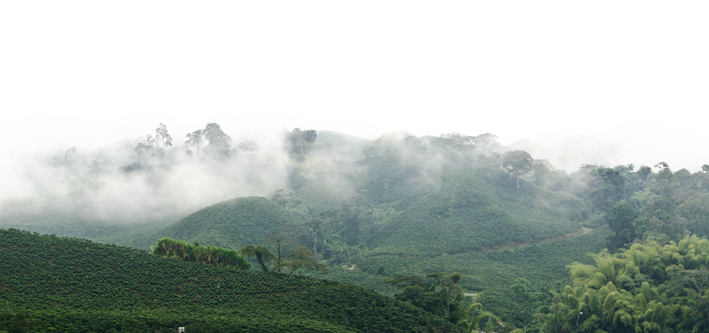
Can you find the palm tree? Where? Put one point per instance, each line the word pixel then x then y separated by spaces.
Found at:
pixel 249 145
pixel 473 315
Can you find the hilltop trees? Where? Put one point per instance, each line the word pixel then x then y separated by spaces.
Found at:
pixel 644 173
pixel 282 196
pixel 144 149
pixel 211 139
pixel 195 140
pixel 300 141
pixel 162 141
pixel 219 143
pixel 517 163
pixel 154 146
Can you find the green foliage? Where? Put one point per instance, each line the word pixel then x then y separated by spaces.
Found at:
pixel 430 211
pixel 473 209
pixel 300 141
pixel 474 314
pixel 289 257
pixel 606 187
pixel 647 288
pixel 620 220
pixel 211 255
pixel 72 285
pixel 487 274
pixel 437 293
pixel 517 163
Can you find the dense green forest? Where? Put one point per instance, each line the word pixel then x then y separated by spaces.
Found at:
pixel 401 215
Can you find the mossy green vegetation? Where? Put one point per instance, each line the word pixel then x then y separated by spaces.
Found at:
pixel 75 285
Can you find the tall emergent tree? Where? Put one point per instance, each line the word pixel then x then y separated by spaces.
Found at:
pixel 309 137
pixel 517 163
pixel 437 293
pixel 644 173
pixel 282 196
pixel 286 257
pixel 300 141
pixel 162 141
pixel 219 142
pixel 195 140
pixel 144 149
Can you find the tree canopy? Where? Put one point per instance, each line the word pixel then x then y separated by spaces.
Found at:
pixel 517 163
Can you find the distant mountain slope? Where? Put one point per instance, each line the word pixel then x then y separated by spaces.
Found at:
pixel 73 217
pixel 379 180
pixel 232 223
pixel 445 209
pixel 70 285
pixel 478 208
pixel 348 145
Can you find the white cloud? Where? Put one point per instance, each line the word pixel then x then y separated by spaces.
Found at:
pixel 82 73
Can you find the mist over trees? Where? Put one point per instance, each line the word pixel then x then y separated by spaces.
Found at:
pixel 425 197
pixel 517 163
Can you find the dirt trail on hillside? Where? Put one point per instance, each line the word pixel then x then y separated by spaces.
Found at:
pixel 513 245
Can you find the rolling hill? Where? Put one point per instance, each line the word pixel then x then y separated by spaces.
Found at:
pixel 73 285
pixel 231 224
pixel 445 210
pixel 473 209
pixel 348 145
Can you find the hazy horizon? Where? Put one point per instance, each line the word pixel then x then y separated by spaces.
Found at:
pixel 604 82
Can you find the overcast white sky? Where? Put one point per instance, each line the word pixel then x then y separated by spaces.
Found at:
pixel 628 79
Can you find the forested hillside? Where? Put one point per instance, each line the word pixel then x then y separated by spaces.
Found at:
pixel 70 285
pixel 233 223
pixel 407 209
pixel 473 209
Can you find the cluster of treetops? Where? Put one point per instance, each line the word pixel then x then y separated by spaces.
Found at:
pixel 286 257
pixel 213 142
